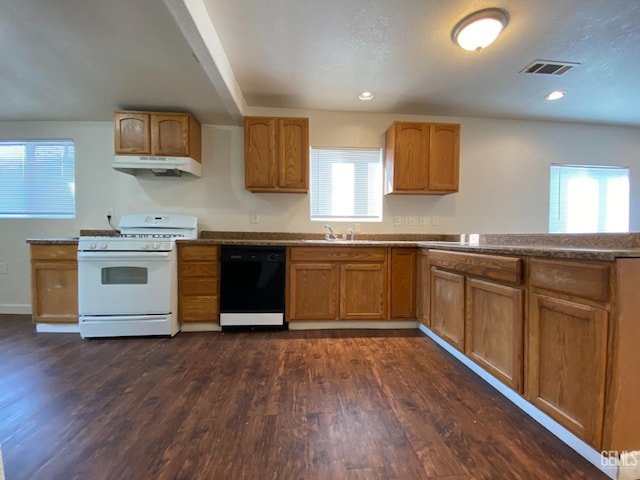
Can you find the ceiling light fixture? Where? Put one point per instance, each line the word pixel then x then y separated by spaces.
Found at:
pixel 364 96
pixel 555 95
pixel 478 30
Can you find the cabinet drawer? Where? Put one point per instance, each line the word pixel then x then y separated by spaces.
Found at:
pixel 586 280
pixel 491 267
pixel 204 308
pixel 198 286
pixel 337 254
pixel 54 252
pixel 198 253
pixel 199 269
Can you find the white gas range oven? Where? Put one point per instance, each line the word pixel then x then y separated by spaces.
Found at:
pixel 128 284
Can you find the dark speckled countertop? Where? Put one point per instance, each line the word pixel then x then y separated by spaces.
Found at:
pixel 604 246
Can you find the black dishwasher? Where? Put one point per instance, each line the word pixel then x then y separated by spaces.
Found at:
pixel 252 286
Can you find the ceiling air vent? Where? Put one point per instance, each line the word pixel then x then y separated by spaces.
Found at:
pixel 548 67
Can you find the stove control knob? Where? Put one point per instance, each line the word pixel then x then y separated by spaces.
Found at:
pixel 145 246
pixel 156 246
pixel 103 246
pixel 93 246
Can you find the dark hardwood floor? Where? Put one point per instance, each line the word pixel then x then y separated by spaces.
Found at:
pixel 259 405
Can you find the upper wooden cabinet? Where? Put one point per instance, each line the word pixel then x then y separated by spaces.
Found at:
pixel 276 154
pixel 157 133
pixel 422 158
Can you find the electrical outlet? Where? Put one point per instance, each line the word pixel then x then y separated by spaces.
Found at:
pixel 254 217
pixel 397 221
pixel 423 221
pixel 108 212
pixel 3 268
pixel 410 221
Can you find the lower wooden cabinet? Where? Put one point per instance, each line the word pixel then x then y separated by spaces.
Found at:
pixel 423 294
pixel 447 306
pixel 477 306
pixel 363 291
pixel 567 363
pixel 54 283
pixel 402 283
pixel 313 291
pixel 494 328
pixel 337 283
pixel 198 288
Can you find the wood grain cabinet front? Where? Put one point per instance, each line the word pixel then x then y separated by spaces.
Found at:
pixel 165 134
pixel 54 283
pixel 422 158
pixel 403 283
pixel 447 306
pixel 423 293
pixel 494 330
pixel 567 343
pixel 313 291
pixel 337 283
pixel 276 154
pixel 198 288
pixel 477 305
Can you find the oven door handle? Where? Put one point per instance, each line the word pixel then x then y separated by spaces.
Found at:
pixel 140 256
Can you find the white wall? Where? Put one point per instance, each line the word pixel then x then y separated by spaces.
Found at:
pixel 503 181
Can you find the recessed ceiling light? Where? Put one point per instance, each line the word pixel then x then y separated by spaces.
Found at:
pixel 366 96
pixel 478 30
pixel 555 95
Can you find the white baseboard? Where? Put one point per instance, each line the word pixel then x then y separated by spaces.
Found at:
pixel 354 324
pixel 200 327
pixel 57 328
pixel 586 451
pixel 15 309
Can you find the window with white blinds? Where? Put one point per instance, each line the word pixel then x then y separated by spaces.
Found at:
pixel 346 184
pixel 588 199
pixel 37 179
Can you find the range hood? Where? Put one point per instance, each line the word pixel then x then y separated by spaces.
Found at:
pixel 159 166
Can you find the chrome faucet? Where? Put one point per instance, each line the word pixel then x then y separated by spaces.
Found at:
pixel 352 234
pixel 333 235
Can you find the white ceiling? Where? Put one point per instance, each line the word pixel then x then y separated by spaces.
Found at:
pixel 81 59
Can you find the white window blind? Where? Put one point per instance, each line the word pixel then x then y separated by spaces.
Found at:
pixel 588 199
pixel 37 179
pixel 346 184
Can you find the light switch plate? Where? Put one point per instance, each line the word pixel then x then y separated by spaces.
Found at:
pixel 3 268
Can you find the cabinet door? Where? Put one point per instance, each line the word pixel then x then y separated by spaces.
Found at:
pixel 494 330
pixel 424 288
pixel 260 158
pixel 567 353
pixel 411 156
pixel 293 154
pixel 403 283
pixel 363 288
pixel 170 135
pixel 447 306
pixel 444 157
pixel 313 291
pixel 132 133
